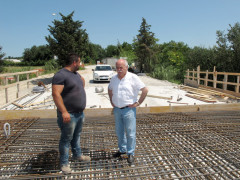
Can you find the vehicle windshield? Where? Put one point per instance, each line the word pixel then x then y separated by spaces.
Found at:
pixel 103 68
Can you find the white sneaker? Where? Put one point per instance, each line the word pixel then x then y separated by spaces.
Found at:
pixel 66 169
pixel 84 158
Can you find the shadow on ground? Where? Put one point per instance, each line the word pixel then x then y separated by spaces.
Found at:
pixel 43 163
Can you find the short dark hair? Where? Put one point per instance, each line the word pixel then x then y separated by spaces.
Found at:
pixel 73 57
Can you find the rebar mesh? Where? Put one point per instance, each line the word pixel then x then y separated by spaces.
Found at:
pixel 201 145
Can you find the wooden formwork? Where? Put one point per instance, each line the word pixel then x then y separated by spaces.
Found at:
pixel 51 113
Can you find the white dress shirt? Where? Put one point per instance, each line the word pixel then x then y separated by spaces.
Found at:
pixel 125 91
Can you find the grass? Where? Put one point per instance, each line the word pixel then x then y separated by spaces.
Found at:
pixel 13 69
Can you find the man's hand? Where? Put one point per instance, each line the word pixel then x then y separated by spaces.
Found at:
pixel 66 117
pixel 134 105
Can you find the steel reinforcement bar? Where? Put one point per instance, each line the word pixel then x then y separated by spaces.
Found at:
pixel 197 145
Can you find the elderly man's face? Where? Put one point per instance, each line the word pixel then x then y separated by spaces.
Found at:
pixel 121 68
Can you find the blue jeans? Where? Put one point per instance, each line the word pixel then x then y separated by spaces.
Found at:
pixel 70 134
pixel 125 125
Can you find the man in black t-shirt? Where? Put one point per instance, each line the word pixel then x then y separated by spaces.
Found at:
pixel 70 98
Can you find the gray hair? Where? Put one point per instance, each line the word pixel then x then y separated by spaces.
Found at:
pixel 125 61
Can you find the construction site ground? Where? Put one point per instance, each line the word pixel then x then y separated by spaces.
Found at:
pixel 161 93
pixel 193 145
pixel 204 144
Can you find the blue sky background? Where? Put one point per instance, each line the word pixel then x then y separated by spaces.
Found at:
pixel 24 23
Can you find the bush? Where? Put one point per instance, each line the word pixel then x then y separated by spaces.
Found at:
pixel 51 65
pixel 168 73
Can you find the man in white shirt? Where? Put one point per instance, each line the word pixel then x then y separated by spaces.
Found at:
pixel 123 92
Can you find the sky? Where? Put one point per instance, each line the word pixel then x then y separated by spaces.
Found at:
pixel 24 23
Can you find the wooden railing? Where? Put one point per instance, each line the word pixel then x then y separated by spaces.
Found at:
pixel 6 86
pixel 8 75
pixel 214 79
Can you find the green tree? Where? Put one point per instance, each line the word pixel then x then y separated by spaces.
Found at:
pixel 1 61
pixel 67 36
pixel 37 55
pixel 144 47
pixel 170 57
pixel 112 51
pixel 223 53
pixel 95 52
pixel 126 50
pixel 203 57
pixel 234 41
pixel 1 53
pixel 173 53
pixel 228 49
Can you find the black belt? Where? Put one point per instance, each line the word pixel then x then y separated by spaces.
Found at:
pixel 123 107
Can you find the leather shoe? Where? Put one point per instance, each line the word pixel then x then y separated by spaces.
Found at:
pixel 118 154
pixel 130 159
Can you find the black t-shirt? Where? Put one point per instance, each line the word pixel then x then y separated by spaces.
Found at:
pixel 73 94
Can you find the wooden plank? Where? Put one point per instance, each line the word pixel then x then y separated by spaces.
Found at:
pixel 160 97
pixel 198 90
pixel 191 83
pixel 211 91
pixel 51 113
pixel 221 92
pixel 176 102
pixel 36 103
pixel 16 104
pixel 201 98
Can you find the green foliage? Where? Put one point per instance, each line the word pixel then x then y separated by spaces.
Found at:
pixel 10 63
pixel 95 52
pixel 67 36
pixel 126 50
pixel 13 69
pixel 130 54
pixel 170 57
pixel 144 47
pixel 1 62
pixel 225 56
pixel 37 55
pixel 51 65
pixel 173 53
pixel 169 73
pixel 203 57
pixel 1 53
pixel 228 49
pixel 112 51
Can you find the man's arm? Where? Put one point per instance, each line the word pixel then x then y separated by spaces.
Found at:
pixel 142 97
pixel 57 98
pixel 83 81
pixel 110 94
